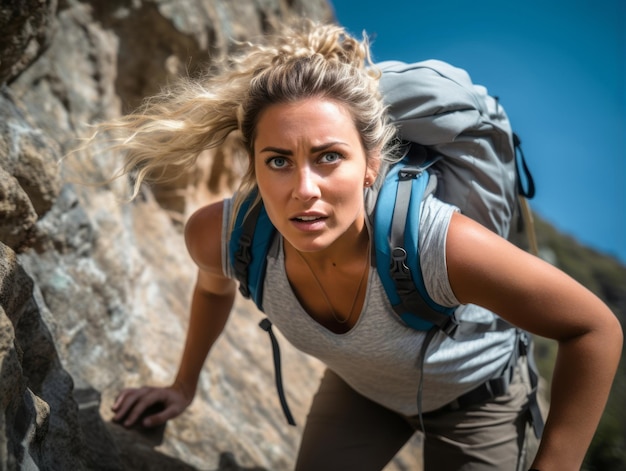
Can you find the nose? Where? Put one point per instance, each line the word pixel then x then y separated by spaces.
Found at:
pixel 306 184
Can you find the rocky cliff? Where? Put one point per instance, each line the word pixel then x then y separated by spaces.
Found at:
pixel 94 291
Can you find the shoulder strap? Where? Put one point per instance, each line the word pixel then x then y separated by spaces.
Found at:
pixel 396 226
pixel 396 239
pixel 248 246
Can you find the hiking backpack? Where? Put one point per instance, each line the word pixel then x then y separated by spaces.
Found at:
pixel 458 145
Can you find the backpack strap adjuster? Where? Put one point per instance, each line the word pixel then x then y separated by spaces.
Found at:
pixel 242 259
pixel 399 269
pixel 451 326
pixel 408 173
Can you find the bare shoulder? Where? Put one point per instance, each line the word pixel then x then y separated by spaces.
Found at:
pixel 203 236
pixel 481 262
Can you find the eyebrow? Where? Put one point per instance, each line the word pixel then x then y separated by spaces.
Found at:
pixel 314 149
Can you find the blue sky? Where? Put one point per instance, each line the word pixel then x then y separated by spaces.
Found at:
pixel 559 68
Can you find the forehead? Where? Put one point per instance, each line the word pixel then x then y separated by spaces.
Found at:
pixel 305 117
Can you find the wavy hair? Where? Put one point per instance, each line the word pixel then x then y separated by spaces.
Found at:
pixel 297 62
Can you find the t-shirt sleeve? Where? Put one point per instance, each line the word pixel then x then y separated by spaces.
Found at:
pixel 434 223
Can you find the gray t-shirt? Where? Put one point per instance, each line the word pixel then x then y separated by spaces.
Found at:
pixel 380 356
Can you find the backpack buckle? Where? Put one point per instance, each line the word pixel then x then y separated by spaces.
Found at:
pixel 451 326
pixel 399 269
pixel 409 173
pixel 243 252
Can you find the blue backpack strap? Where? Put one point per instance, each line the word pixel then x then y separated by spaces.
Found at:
pixel 249 244
pixel 396 239
pixel 525 181
pixel 396 232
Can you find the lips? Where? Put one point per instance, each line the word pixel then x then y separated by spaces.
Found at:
pixel 309 222
pixel 307 218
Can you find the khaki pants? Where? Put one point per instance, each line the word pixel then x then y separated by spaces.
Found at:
pixel 345 431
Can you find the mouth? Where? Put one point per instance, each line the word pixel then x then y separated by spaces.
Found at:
pixel 307 218
pixel 309 222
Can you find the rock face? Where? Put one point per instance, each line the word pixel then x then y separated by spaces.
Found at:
pixel 94 291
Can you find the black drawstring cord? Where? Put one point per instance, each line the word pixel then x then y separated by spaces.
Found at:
pixel 420 389
pixel 266 325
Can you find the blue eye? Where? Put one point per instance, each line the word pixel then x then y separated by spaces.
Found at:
pixel 330 157
pixel 277 162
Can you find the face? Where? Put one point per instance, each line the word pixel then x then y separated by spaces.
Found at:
pixel 311 168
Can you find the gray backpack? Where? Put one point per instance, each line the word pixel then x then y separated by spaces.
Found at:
pixel 482 169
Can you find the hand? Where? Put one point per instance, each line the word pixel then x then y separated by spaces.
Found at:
pixel 150 406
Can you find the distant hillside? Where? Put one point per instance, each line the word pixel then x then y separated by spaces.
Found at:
pixel 606 277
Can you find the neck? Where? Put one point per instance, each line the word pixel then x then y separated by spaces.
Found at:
pixel 342 253
pixel 323 282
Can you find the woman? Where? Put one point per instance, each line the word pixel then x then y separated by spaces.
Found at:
pixel 311 119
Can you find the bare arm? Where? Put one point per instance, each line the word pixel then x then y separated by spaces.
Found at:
pixel 209 313
pixel 487 270
pixel 213 295
pixel 211 304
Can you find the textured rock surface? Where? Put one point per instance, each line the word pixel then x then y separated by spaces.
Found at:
pixel 94 292
pixel 26 31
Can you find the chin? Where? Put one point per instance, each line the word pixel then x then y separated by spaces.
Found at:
pixel 304 244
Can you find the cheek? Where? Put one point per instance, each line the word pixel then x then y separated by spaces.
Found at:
pixel 272 194
pixel 347 195
pixel 266 194
pixel 265 181
pixel 261 178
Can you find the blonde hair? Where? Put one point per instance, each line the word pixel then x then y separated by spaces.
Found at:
pixel 302 61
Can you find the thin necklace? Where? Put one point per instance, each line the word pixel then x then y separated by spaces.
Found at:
pixel 337 318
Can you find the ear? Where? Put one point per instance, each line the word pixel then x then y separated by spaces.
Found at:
pixel 373 166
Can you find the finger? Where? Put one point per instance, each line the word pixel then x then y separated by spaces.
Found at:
pixel 174 403
pixel 128 402
pixel 150 398
pixel 156 416
pixel 121 397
